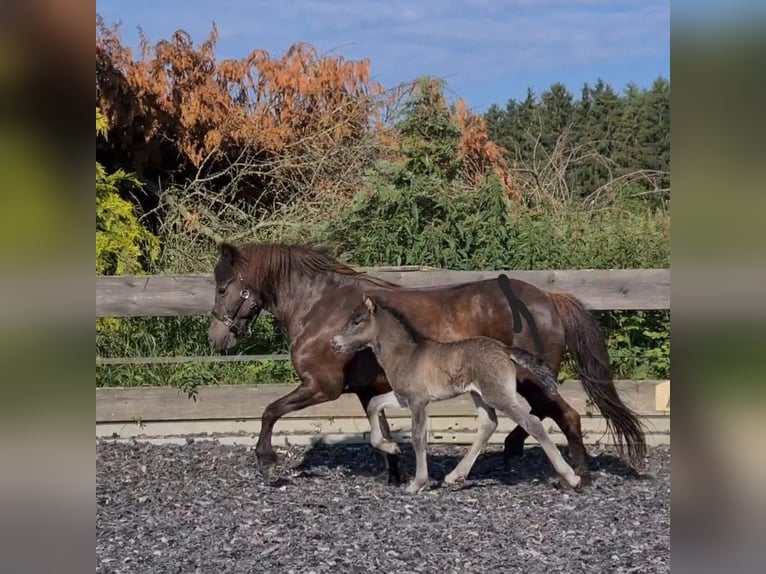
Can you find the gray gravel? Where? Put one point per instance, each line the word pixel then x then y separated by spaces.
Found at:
pixel 205 507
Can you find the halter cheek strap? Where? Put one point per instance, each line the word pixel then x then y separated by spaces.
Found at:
pixel 244 295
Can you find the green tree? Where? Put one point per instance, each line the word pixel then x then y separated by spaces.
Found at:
pixel 430 137
pixel 655 129
pixel 556 114
pixel 630 151
pixel 599 131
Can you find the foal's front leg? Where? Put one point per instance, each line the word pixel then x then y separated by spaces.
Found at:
pixel 419 445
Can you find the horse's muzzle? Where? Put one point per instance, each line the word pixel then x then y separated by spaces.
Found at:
pixel 220 336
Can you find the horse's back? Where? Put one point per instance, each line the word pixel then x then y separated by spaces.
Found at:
pixel 481 309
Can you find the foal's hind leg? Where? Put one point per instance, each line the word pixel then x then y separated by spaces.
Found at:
pixel 567 419
pixel 487 425
pixel 511 407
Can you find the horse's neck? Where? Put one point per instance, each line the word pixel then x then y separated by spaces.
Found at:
pixel 292 300
pixel 394 347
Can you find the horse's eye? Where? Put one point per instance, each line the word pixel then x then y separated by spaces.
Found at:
pixel 222 291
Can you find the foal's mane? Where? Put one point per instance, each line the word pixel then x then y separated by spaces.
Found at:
pixel 278 261
pixel 416 335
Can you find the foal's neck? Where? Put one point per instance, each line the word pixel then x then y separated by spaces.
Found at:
pixel 394 344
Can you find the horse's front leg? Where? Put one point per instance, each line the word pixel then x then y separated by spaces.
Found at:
pixel 305 395
pixel 378 439
pixel 380 432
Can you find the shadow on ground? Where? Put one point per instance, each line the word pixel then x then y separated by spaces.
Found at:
pixel 363 460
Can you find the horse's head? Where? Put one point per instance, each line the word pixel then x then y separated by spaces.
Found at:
pixel 359 331
pixel 237 304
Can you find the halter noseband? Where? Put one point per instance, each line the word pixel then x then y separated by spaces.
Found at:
pixel 244 295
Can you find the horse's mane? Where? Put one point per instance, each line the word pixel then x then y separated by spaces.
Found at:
pixel 278 261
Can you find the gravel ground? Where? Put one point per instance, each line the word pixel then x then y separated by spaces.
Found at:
pixel 204 507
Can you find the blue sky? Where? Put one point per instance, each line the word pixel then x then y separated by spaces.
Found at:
pixel 486 50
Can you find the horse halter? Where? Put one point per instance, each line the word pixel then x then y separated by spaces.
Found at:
pixel 244 295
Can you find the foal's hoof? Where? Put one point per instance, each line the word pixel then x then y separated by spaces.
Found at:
pixel 564 484
pixel 452 479
pixel 389 447
pixel 415 487
pixel 586 478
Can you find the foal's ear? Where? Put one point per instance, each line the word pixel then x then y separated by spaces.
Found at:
pixel 369 303
pixel 228 252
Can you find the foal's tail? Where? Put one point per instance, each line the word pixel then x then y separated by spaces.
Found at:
pixel 535 365
pixel 587 344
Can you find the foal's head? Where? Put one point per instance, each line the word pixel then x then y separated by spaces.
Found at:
pixel 360 330
pixel 235 306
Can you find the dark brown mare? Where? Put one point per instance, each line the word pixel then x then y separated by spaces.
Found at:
pixel 313 295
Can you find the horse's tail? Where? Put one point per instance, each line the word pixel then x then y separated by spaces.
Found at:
pixel 539 368
pixel 587 344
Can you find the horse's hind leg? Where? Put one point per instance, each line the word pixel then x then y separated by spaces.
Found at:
pixel 487 425
pixel 509 405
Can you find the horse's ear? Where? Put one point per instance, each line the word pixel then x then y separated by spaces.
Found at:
pixel 369 303
pixel 228 252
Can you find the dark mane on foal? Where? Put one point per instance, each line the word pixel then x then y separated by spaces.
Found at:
pixel 416 335
pixel 276 262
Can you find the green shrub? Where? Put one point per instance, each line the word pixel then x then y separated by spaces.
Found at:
pixel 463 229
pixel 123 245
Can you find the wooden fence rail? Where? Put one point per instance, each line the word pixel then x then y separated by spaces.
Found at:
pixel 184 295
pixel 187 295
pixel 231 414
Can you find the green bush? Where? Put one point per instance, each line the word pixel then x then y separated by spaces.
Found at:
pixel 123 245
pixel 466 229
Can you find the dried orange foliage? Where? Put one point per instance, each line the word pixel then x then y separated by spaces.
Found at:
pixel 176 102
pixel 175 110
pixel 480 154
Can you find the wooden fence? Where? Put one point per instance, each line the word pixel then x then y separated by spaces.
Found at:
pixel 232 413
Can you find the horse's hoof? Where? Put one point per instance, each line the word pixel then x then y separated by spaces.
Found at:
pixel 266 462
pixel 513 448
pixel 512 454
pixel 397 475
